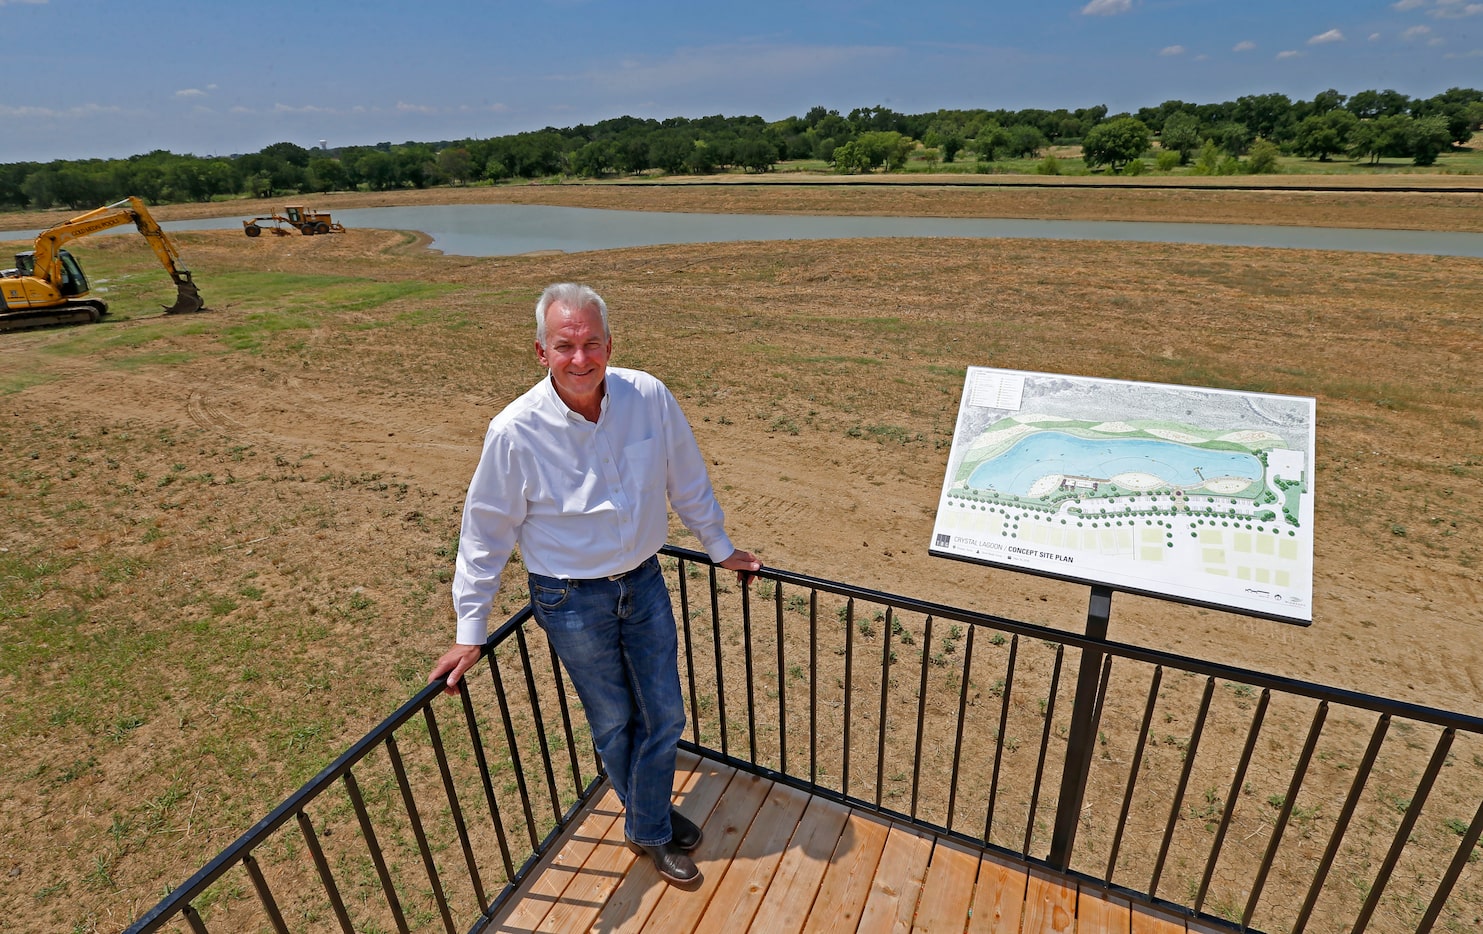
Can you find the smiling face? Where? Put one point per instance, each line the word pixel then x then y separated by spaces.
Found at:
pixel 576 352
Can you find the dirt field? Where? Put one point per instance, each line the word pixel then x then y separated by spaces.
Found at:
pixel 226 538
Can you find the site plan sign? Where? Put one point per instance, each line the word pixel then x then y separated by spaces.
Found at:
pixel 1204 496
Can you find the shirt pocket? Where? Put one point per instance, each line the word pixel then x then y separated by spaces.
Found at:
pixel 643 465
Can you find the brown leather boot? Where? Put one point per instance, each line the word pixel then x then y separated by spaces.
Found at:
pixel 672 862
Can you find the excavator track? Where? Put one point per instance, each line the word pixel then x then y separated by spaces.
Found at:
pixel 88 313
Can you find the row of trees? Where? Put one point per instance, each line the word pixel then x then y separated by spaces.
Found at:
pixel 1368 126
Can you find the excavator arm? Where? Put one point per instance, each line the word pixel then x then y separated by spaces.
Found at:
pixel 49 247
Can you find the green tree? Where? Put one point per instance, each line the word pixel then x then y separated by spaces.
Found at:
pixel 1115 143
pixel 1263 158
pixel 1427 138
pixel 1322 135
pixel 455 163
pixel 593 160
pixel 755 154
pixel 1025 141
pixel 1181 134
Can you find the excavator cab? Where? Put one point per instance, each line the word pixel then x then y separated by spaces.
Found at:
pixel 74 281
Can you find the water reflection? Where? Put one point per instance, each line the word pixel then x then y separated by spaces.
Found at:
pixel 514 229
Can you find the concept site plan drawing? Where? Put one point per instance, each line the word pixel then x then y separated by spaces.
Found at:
pixel 1203 496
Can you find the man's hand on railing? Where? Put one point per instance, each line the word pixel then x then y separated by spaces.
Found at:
pixel 454 663
pixel 745 564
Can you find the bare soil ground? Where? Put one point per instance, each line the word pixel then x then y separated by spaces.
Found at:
pixel 226 538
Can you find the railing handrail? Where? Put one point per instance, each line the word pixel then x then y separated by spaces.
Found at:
pixel 1099 652
pixel 1372 702
pixel 248 841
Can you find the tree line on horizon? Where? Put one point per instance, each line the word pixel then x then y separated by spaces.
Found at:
pixel 1244 135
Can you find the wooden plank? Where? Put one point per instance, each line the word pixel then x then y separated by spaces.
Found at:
pixel 681 909
pixel 1098 912
pixel 746 880
pixel 550 878
pixel 947 893
pixel 1050 904
pixel 998 897
pixel 629 903
pixel 1148 921
pixel 848 879
pixel 898 882
pixel 795 884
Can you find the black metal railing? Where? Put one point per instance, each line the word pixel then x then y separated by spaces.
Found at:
pixel 1241 799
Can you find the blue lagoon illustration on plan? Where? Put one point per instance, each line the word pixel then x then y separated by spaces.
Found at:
pixel 1199 495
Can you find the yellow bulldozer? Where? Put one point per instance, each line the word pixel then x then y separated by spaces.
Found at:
pixel 294 217
pixel 48 287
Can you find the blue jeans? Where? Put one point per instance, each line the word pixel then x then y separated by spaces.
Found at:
pixel 616 639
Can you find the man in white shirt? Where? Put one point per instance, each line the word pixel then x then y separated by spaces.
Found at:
pixel 577 472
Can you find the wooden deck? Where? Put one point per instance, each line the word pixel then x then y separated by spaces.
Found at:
pixel 776 860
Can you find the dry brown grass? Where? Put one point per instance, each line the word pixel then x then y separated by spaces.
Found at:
pixel 226 545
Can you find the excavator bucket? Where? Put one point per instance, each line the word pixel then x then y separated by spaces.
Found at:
pixel 187 298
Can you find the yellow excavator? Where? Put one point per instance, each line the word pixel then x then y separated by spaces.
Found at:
pixel 48 287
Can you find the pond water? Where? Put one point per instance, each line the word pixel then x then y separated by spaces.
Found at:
pixel 1052 452
pixel 513 229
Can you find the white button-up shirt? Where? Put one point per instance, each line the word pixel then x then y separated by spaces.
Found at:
pixel 581 499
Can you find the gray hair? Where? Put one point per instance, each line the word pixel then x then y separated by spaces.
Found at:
pixel 572 295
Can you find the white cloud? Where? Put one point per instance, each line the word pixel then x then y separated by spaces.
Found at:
pixel 1245 45
pixel 51 113
pixel 190 92
pixel 1456 9
pixel 1172 50
pixel 406 108
pixel 12 2
pixel 1107 7
pixel 1333 35
pixel 1374 37
pixel 1416 32
pixel 1404 5
pixel 1289 53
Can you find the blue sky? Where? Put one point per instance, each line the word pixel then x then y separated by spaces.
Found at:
pixel 110 78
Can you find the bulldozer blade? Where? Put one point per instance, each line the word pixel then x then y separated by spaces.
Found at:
pixel 187 299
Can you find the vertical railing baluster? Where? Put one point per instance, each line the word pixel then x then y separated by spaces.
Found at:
pixel 813 686
pixel 264 894
pixel 368 834
pixel 782 693
pixel 193 918
pixel 1177 805
pixel 409 804
pixel 1014 648
pixel 482 760
pixel 1403 832
pixel 1289 801
pixel 720 672
pixel 455 809
pixel 1133 769
pixel 952 794
pixel 1449 878
pixel 750 677
pixel 540 724
pixel 513 745
pixel 1228 811
pixel 1049 717
pixel 880 743
pixel 566 718
pixel 327 878
pixel 849 661
pixel 916 765
pixel 1341 824
pixel 695 736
